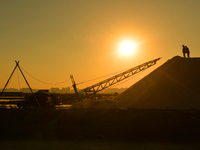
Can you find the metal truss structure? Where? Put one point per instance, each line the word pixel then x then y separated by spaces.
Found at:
pixel 17 66
pixel 91 91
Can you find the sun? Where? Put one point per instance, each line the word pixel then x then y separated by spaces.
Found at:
pixel 127 48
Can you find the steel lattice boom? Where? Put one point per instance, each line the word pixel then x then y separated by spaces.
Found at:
pixel 90 91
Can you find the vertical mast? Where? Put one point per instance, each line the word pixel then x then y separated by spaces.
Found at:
pixel 28 85
pixel 17 65
pixel 74 86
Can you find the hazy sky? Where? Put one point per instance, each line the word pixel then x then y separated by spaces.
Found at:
pixel 56 38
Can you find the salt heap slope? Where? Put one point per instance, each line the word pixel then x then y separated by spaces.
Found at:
pixel 174 85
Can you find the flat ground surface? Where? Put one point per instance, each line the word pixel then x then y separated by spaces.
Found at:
pixel 100 129
pixel 144 125
pixel 94 145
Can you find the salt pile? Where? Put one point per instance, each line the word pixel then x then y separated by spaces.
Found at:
pixel 174 85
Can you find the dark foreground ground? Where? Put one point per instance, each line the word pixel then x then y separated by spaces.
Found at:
pixel 100 129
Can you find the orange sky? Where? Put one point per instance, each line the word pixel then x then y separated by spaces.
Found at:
pixel 53 39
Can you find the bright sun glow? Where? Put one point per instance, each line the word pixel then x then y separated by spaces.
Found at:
pixel 127 48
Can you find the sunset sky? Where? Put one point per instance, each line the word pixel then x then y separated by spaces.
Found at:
pixel 56 38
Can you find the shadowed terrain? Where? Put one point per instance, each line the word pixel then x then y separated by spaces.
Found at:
pixel 163 107
pixel 100 129
pixel 150 125
pixel 174 85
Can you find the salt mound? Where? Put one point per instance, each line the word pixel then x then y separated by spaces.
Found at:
pixel 174 85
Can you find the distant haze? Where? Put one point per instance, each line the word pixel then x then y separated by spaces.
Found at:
pixel 53 39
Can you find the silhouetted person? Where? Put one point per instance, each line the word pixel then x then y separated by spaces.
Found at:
pixel 187 51
pixel 184 51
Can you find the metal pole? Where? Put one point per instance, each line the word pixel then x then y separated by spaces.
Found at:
pixel 28 85
pixel 74 86
pixel 9 78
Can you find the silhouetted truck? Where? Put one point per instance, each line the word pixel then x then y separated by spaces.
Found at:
pixel 42 98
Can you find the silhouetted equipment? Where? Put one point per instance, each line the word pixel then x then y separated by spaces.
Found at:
pixel 74 86
pixel 91 91
pixel 17 65
pixel 43 98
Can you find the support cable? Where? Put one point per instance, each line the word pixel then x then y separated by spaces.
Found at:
pixel 92 90
pixel 62 82
pixel 17 64
pixel 118 78
pixel 101 77
pixel 43 81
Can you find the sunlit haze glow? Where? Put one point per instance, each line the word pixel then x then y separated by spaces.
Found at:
pixel 127 48
pixel 56 38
